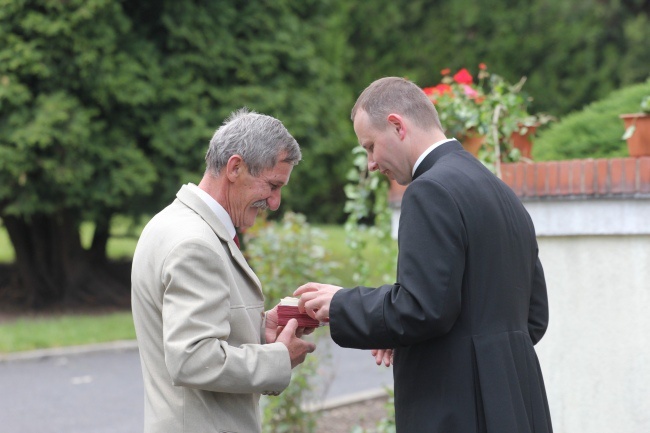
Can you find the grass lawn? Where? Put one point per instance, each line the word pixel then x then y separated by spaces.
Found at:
pixel 70 330
pixel 6 250
pixel 36 332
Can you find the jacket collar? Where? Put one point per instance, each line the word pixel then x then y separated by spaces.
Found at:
pixel 435 155
pixel 194 202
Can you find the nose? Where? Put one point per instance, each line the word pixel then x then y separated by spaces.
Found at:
pixel 372 165
pixel 274 200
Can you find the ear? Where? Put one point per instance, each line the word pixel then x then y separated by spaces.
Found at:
pixel 397 124
pixel 234 167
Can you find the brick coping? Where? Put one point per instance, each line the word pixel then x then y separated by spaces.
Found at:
pixel 580 178
pixel 589 178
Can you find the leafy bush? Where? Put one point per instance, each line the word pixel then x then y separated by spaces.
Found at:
pixel 367 201
pixel 594 132
pixel 285 255
pixel 367 197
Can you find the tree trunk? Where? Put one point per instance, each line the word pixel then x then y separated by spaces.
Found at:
pixel 100 240
pixel 53 269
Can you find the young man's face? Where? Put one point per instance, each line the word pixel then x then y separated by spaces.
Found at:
pixel 386 153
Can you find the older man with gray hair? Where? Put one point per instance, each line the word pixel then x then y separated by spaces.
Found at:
pixel 207 347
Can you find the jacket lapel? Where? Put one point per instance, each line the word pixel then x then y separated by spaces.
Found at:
pixel 194 202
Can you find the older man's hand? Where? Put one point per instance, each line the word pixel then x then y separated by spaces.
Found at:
pixel 315 299
pixel 298 348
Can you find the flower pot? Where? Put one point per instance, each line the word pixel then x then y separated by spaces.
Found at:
pixel 638 144
pixel 472 142
pixel 523 142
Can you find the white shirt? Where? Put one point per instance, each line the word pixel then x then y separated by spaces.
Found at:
pixel 218 210
pixel 428 151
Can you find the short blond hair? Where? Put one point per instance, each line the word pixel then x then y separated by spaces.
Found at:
pixel 396 95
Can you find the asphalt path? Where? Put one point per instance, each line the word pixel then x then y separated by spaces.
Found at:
pixel 98 389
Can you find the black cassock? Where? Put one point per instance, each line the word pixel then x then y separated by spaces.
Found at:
pixel 469 304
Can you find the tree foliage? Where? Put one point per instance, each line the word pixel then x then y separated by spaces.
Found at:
pixel 106 106
pixel 72 81
pixel 573 52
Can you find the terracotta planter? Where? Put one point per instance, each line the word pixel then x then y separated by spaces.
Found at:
pixel 472 143
pixel 639 143
pixel 523 142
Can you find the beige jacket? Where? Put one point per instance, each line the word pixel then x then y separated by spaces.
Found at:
pixel 198 311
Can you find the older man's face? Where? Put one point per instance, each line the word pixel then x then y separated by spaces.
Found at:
pixel 252 193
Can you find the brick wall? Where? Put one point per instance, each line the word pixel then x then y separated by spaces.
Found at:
pixel 616 177
pixel 579 178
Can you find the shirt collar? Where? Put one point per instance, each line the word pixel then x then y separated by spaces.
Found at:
pixel 428 151
pixel 219 211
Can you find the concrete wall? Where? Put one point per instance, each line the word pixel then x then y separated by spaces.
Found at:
pixel 595 355
pixel 609 216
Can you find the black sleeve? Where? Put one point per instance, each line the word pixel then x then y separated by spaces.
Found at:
pixel 426 300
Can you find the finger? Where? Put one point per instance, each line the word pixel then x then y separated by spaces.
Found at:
pixel 322 314
pixel 291 327
pixel 309 331
pixel 304 299
pixel 312 307
pixel 374 352
pixel 388 358
pixel 309 287
pixel 379 356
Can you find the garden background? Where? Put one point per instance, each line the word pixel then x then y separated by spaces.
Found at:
pixel 107 107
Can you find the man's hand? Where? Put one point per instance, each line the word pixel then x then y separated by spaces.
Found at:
pixel 271 330
pixel 383 355
pixel 315 300
pixel 298 349
pixel 271 326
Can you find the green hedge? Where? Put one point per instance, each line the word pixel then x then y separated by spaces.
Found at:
pixel 595 131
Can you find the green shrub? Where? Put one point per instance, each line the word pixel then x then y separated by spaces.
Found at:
pixel 285 255
pixel 369 224
pixel 594 132
pixel 367 198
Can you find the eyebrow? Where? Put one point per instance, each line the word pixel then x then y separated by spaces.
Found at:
pixel 276 183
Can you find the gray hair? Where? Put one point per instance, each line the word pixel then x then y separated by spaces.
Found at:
pixel 259 139
pixel 396 95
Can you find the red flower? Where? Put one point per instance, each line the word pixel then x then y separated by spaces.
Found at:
pixel 429 90
pixel 442 88
pixel 482 66
pixel 463 77
pixel 445 71
pixel 436 90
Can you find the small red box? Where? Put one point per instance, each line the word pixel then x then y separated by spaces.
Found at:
pixel 287 312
